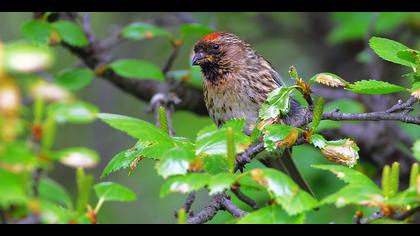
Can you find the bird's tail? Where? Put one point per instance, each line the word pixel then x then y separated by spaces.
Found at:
pixel 286 164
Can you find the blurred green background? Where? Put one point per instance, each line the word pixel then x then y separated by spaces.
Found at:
pixel 313 42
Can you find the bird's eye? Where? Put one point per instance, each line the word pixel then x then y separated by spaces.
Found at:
pixel 216 46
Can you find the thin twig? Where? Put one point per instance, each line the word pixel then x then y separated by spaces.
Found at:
pixel 407 214
pixel 169 63
pixel 87 29
pixel 241 196
pixel 189 201
pixel 36 176
pixel 228 205
pixel 375 216
pixel 371 116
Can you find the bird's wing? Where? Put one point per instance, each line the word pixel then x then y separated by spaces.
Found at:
pixel 276 76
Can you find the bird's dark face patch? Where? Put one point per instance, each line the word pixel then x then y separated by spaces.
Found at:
pixel 216 52
pixel 207 53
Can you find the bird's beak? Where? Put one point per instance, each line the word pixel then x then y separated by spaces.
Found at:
pixel 197 57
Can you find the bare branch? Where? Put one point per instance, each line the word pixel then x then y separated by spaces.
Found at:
pixel 246 157
pixel 87 27
pixel 96 55
pixel 189 201
pixel 407 214
pixel 171 59
pixel 228 205
pixel 371 116
pixel 217 203
pixel 241 196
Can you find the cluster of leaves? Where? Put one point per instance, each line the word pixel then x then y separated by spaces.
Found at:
pixel 54 103
pixel 208 162
pixel 388 50
pixel 28 130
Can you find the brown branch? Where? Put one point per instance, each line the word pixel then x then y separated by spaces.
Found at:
pixel 371 116
pixel 246 157
pixel 241 196
pixel 407 214
pixel 189 201
pixel 96 56
pixel 169 63
pixel 217 203
pixel 87 27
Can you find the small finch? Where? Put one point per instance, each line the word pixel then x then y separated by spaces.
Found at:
pixel 237 82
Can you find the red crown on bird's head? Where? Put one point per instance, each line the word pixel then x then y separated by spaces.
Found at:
pixel 211 36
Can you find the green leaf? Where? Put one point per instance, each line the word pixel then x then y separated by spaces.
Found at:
pixel 414 173
pixel 75 112
pixel 318 111
pixel 277 102
pixel 348 175
pixel 395 178
pixel 388 50
pixel 194 29
pixel 221 182
pixel 293 73
pixel 212 141
pixel 84 188
pixel 157 141
pixel 274 134
pixel 386 181
pixel 18 154
pixel 386 221
pixel 355 25
pixel 374 87
pixel 175 161
pixel 124 159
pixel 354 194
pixel 360 189
pixel 12 189
pixel 38 31
pixel 284 191
pixel 318 141
pixel 75 79
pixel 139 31
pixel 137 69
pixel 109 191
pixel 271 215
pixel 163 120
pixel 408 55
pixel 231 150
pixel 405 198
pixel 78 157
pixel 215 164
pixel 24 57
pixel 416 150
pixel 53 191
pixel 70 33
pixel 140 129
pixel 184 183
pixel 349 26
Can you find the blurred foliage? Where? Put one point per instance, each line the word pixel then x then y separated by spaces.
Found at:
pixel 49 130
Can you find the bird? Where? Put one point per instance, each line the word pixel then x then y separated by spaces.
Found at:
pixel 237 81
